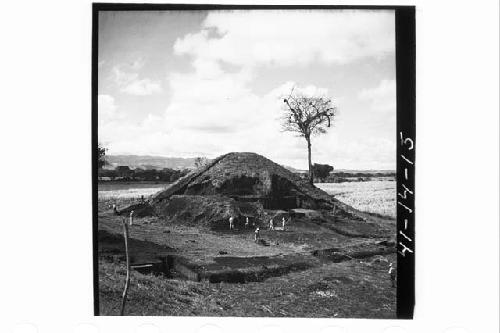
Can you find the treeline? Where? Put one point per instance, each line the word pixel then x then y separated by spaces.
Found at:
pixel 364 174
pixel 127 174
pixel 323 173
pixel 342 177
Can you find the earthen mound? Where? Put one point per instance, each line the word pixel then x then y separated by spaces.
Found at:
pixel 249 177
pixel 241 185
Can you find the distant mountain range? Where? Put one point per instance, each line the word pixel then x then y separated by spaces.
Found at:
pixel 150 162
pixel 179 163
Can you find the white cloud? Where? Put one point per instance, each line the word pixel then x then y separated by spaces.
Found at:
pixel 307 91
pixel 363 153
pixel 137 63
pixel 250 38
pixel 212 110
pixel 226 117
pixel 142 87
pixel 128 81
pixel 107 115
pixel 106 108
pixel 382 98
pixel 221 104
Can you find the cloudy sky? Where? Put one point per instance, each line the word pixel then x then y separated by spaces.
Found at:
pixel 204 83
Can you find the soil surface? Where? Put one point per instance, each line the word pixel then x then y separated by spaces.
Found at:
pixel 326 266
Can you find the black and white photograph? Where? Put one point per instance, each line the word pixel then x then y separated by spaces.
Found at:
pixel 247 163
pixel 253 167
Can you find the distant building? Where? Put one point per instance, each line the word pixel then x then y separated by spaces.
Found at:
pixel 124 171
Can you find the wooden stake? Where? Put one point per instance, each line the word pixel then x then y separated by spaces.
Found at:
pixel 127 279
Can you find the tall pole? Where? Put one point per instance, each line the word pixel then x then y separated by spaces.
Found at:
pixel 127 279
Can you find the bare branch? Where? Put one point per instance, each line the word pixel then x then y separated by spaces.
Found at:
pixel 307 115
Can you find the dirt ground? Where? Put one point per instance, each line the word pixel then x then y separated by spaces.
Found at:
pixel 293 281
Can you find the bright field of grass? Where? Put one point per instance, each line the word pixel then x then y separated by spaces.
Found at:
pixel 375 196
pixel 128 190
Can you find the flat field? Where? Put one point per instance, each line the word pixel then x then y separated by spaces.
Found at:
pixel 128 190
pixel 374 196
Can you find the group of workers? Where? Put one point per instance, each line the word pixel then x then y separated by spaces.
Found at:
pixel 257 230
pixel 391 272
pixel 283 221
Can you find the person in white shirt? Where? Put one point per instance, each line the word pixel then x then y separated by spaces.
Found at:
pixel 271 224
pixel 231 223
pixel 131 217
pixel 392 274
pixel 257 235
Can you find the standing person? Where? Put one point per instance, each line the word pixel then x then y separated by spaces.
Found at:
pixel 231 223
pixel 392 274
pixel 246 222
pixel 131 217
pixel 271 224
pixel 284 222
pixel 115 211
pixel 257 235
pixel 142 198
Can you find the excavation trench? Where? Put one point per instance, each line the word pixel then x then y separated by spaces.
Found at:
pixel 337 255
pixel 260 269
pixel 150 258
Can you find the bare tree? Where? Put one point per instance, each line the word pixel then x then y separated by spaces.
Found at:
pixel 101 153
pixel 200 162
pixel 307 116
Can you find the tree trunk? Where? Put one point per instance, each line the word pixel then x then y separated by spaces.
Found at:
pixel 311 176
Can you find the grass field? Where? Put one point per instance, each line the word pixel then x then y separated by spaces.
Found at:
pixel 375 196
pixel 352 289
pixel 128 190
